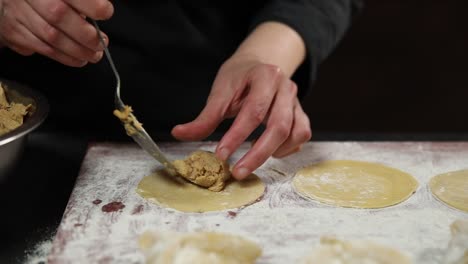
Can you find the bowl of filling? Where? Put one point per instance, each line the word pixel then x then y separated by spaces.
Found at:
pixel 22 110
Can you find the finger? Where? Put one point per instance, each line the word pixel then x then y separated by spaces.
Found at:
pixel 70 22
pixel 17 48
pixel 21 50
pixel 204 125
pixel 212 114
pixel 24 38
pixel 292 151
pixel 277 131
pixel 301 133
pixel 53 36
pixel 8 28
pixel 95 9
pixel 263 86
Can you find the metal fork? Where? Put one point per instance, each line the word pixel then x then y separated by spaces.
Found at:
pixel 140 136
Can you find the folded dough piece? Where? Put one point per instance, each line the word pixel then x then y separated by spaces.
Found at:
pixel 204 169
pixel 201 247
pixel 333 251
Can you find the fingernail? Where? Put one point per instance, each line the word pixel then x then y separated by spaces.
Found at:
pixel 242 173
pixel 101 47
pixel 223 153
pixel 106 39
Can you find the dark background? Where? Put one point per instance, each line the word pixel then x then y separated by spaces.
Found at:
pixel 402 68
pixel 400 73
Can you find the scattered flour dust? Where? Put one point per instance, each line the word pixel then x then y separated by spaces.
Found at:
pixel 38 254
pixel 286 226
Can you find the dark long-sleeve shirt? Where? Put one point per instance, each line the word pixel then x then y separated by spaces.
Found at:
pixel 168 54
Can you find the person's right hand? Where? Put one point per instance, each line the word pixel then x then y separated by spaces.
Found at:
pixel 54 28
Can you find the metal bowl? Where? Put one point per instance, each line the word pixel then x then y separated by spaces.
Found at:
pixel 12 143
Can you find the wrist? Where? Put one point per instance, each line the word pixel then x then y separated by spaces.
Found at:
pixel 245 56
pixel 276 44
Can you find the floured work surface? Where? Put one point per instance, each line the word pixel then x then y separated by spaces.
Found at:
pixel 105 215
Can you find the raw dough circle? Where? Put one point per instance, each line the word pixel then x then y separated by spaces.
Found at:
pixel 451 188
pixel 177 193
pixel 355 184
pixel 333 251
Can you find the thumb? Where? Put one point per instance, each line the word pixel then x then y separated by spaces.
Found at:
pixel 214 112
pixel 206 122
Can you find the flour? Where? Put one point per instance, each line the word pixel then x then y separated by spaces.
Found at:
pixel 38 254
pixel 285 225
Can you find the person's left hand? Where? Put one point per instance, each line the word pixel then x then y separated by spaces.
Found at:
pixel 254 93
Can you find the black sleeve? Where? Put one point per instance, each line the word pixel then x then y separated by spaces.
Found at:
pixel 320 23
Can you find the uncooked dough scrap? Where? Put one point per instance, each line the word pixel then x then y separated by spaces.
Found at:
pixel 334 251
pixel 205 169
pixel 193 248
pixel 177 193
pixel 457 250
pixel 355 184
pixel 451 188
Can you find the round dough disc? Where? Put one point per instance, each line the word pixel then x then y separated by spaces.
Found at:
pixel 333 251
pixel 451 188
pixel 177 193
pixel 354 184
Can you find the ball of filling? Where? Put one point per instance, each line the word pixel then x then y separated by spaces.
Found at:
pixel 204 169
